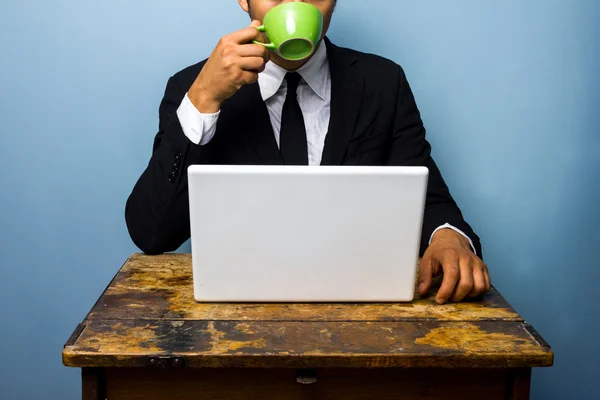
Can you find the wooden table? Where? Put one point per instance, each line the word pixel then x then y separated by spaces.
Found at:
pixel 146 338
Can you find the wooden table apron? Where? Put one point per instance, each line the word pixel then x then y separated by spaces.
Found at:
pixel 147 332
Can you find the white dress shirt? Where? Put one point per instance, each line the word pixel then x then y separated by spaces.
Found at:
pixel 314 97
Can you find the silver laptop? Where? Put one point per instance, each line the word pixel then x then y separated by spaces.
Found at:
pixel 305 234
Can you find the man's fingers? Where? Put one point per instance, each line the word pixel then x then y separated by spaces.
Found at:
pixel 451 276
pixel 425 274
pixel 486 275
pixel 249 77
pixel 253 64
pixel 254 50
pixel 245 35
pixel 466 283
pixel 479 282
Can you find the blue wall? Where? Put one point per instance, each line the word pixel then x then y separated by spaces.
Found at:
pixel 509 91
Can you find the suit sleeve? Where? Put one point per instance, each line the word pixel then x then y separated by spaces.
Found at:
pixel 409 147
pixel 157 211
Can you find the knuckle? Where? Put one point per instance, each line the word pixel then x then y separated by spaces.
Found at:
pixel 481 288
pixel 237 75
pixel 451 253
pixel 224 41
pixel 428 254
pixel 465 258
pixel 228 62
pixel 466 285
pixel 244 79
pixel 231 68
pixel 452 269
pixel 229 50
pixel 452 275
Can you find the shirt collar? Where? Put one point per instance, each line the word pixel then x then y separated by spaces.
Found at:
pixel 315 72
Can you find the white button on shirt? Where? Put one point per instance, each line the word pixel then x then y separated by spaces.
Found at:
pixel 314 97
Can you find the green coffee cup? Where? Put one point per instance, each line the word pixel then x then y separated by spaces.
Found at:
pixel 294 30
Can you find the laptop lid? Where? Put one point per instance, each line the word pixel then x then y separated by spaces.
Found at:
pixel 305 234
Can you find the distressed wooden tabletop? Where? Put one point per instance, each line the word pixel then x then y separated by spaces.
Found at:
pixel 148 311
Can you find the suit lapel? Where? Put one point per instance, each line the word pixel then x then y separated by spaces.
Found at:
pixel 254 124
pixel 347 87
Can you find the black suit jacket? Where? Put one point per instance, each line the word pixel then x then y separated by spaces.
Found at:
pixel 374 121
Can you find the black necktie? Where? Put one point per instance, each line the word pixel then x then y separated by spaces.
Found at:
pixel 292 140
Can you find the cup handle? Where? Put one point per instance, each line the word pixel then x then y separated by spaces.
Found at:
pixel 269 46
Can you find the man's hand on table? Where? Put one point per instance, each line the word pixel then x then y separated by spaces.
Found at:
pixel 465 274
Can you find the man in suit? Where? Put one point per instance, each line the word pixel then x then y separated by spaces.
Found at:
pixel 246 106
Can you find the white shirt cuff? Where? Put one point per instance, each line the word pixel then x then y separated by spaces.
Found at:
pixel 198 127
pixel 448 226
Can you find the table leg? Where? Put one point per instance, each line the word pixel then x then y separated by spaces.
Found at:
pixel 520 384
pixel 93 384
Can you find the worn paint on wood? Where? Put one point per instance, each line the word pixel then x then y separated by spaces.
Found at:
pixel 318 344
pixel 470 337
pixel 148 311
pixel 160 287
